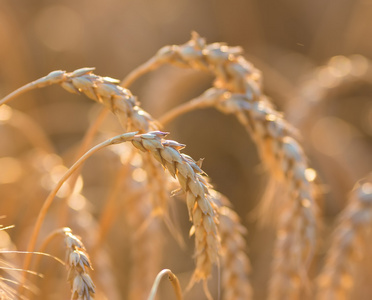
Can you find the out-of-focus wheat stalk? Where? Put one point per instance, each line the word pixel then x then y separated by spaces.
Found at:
pixel 237 90
pixel 235 263
pixel 172 278
pixel 25 124
pixel 339 75
pixel 349 244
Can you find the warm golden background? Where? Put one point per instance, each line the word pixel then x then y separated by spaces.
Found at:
pixel 314 56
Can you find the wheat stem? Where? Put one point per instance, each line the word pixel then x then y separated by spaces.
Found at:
pixel 138 72
pixel 172 278
pixel 207 99
pixel 84 146
pixel 106 218
pixel 51 78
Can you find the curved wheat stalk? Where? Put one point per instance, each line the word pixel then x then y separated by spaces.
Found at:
pixel 172 278
pixel 349 244
pixel 237 90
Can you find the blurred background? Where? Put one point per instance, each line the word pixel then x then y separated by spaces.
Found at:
pixel 314 55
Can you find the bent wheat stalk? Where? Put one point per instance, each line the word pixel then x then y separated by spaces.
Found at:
pixel 237 90
pixel 172 278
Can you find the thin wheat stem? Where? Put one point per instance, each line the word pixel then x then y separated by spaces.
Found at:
pixel 30 129
pixel 106 218
pixel 46 242
pixel 51 78
pixel 84 146
pixel 205 100
pixel 28 87
pixel 172 278
pixel 138 72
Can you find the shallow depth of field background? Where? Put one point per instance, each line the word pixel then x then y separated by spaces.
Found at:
pixel 289 41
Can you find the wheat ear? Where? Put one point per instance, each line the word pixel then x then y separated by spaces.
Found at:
pixel 349 244
pixel 78 264
pixel 237 90
pixel 201 209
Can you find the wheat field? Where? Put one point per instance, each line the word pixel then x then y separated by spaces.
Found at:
pixel 224 155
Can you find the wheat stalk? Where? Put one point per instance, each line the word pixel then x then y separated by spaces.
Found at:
pixel 237 90
pixel 172 278
pixel 349 244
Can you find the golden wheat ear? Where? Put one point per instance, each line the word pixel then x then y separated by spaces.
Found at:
pixel 349 244
pixel 78 264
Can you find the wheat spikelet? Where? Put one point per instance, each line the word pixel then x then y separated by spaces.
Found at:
pixel 234 259
pixel 349 244
pixel 237 90
pixel 78 263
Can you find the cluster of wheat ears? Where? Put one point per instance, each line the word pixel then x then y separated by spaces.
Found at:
pixel 218 234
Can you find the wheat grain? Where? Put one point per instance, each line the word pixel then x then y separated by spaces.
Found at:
pixel 349 244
